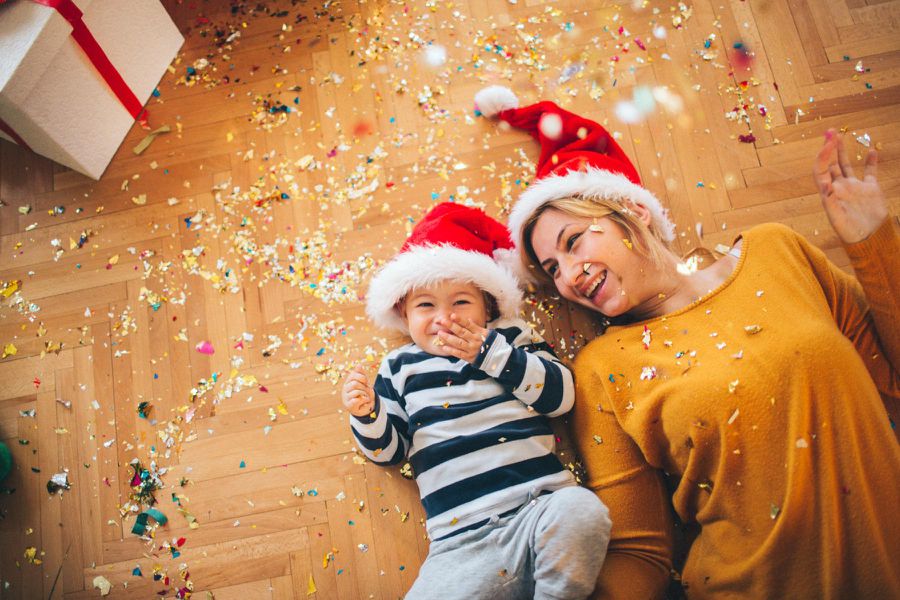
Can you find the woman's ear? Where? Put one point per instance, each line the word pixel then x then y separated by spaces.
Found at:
pixel 641 211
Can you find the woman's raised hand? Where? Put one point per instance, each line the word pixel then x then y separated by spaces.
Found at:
pixel 855 207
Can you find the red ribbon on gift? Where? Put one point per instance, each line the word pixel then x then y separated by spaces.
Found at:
pixel 83 36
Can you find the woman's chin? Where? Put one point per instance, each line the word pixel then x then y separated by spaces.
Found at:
pixel 606 307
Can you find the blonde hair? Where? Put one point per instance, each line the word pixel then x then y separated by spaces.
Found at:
pixel 648 241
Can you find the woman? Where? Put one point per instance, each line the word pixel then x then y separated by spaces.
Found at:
pixel 759 387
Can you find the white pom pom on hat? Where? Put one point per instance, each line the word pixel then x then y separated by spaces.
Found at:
pixel 494 99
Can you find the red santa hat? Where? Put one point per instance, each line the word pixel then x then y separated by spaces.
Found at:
pixel 451 242
pixel 578 158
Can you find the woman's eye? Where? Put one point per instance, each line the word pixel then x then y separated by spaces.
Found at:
pixel 552 270
pixel 570 241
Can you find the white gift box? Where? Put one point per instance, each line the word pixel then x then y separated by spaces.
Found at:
pixel 54 98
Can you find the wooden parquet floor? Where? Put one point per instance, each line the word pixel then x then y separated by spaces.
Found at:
pixel 306 137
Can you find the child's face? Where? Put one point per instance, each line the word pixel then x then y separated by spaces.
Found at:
pixel 423 308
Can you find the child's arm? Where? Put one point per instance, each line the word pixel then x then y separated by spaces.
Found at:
pixel 519 359
pixel 378 421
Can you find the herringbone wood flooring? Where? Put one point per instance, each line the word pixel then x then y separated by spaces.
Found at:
pixel 253 228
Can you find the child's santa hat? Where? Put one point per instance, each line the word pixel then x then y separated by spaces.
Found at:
pixel 578 158
pixel 451 242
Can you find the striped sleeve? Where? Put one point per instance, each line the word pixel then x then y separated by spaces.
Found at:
pixel 382 436
pixel 520 360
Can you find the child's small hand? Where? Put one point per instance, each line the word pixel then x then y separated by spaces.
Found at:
pixel 357 395
pixel 855 207
pixel 464 339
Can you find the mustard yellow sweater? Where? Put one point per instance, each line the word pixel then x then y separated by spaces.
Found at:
pixel 766 405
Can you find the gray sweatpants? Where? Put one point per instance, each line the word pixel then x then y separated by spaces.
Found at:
pixel 552 548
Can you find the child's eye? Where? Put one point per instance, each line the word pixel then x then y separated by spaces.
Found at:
pixel 424 305
pixel 570 241
pixel 462 302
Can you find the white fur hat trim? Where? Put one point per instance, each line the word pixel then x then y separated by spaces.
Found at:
pixel 420 266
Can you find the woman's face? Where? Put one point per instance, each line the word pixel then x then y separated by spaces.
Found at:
pixel 594 263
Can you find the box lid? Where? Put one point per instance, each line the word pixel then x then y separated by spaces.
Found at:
pixel 30 36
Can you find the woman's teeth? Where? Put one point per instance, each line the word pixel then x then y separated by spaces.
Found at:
pixel 596 285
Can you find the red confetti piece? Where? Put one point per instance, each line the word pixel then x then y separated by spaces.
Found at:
pixel 362 128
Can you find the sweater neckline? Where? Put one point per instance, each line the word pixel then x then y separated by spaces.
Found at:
pixel 745 247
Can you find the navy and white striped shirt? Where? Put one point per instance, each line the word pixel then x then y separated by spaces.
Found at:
pixel 476 435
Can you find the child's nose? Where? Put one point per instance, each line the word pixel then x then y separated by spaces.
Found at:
pixel 444 312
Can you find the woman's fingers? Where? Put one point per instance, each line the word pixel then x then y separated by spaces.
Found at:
pixel 871 165
pixel 845 167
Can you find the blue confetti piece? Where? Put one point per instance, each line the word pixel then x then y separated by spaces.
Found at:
pixel 435 195
pixel 243 465
pixel 612 378
pixel 156 92
pixel 320 352
pixel 137 572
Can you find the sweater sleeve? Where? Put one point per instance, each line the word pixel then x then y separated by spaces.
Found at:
pixel 517 357
pixel 383 435
pixel 867 308
pixel 639 560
